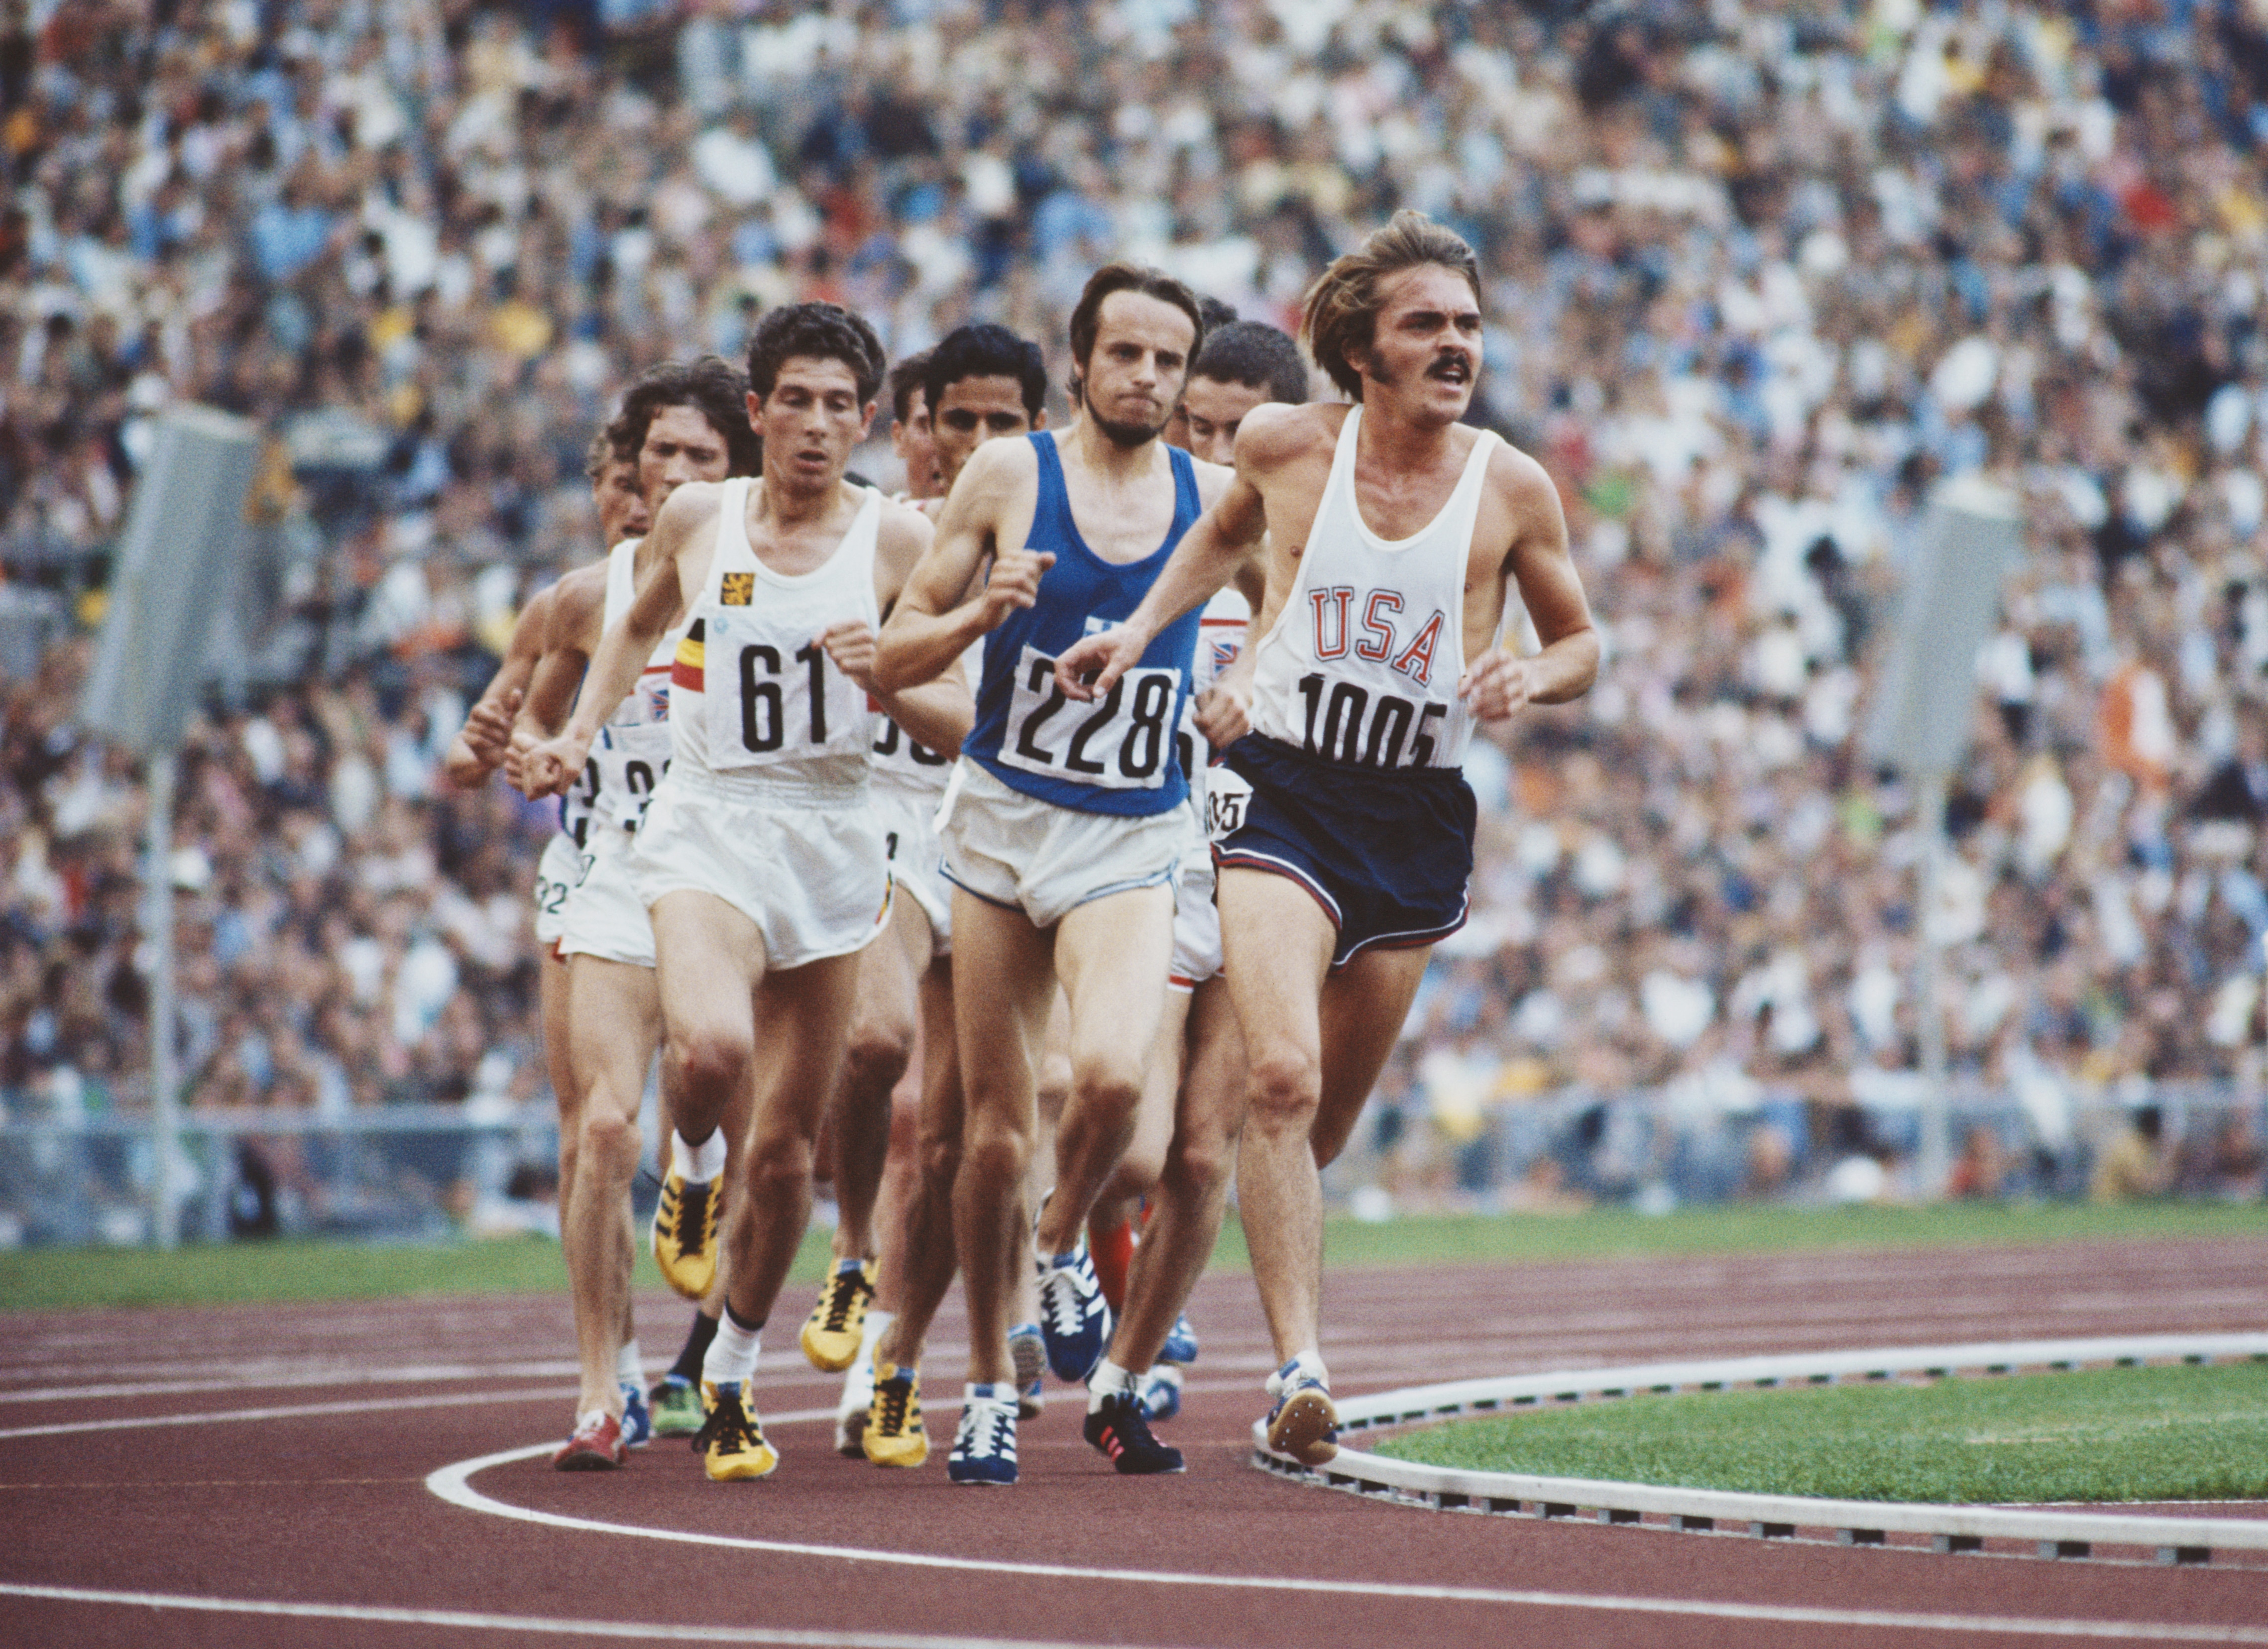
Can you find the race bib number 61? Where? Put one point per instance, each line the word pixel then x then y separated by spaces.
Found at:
pixel 1121 741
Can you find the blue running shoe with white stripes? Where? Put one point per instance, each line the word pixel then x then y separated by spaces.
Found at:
pixel 1180 1345
pixel 1029 1354
pixel 1161 1393
pixel 984 1444
pixel 1075 1317
pixel 637 1419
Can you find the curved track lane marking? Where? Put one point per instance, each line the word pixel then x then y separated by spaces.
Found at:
pixel 453 1484
pixel 135 1423
pixel 647 1631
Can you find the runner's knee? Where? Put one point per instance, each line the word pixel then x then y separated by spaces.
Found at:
pixel 778 1164
pixel 877 1056
pixel 610 1142
pixel 711 1060
pixel 1286 1087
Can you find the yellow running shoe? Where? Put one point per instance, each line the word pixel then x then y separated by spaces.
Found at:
pixel 893 1434
pixel 732 1440
pixel 685 1233
pixel 830 1334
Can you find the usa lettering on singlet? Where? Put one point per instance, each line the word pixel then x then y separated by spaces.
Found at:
pixel 756 702
pixel 1117 755
pixel 1361 667
pixel 633 748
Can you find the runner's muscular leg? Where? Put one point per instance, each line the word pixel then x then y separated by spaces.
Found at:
pixel 1111 954
pixel 805 1016
pixel 1193 1188
pixel 1364 1005
pixel 709 962
pixel 1137 1174
pixel 551 1002
pixel 1004 983
pixel 1278 943
pixel 881 1048
pixel 615 1018
pixel 925 1239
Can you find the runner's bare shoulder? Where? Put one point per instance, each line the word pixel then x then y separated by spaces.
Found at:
pixel 1276 434
pixel 578 606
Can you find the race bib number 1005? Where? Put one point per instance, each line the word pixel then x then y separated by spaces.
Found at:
pixel 1121 741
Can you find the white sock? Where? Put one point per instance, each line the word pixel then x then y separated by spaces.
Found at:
pixel 732 1353
pixel 1310 1364
pixel 1110 1381
pixel 870 1334
pixel 704 1161
pixel 628 1366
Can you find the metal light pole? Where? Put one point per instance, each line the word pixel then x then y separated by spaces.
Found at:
pixel 1924 703
pixel 176 561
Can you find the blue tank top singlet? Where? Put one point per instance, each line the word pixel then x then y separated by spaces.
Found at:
pixel 1117 755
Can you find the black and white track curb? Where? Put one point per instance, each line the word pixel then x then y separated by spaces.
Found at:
pixel 2173 1539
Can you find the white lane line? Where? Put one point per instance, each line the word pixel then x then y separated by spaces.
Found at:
pixel 643 1631
pixel 453 1484
pixel 453 1400
pixel 360 1375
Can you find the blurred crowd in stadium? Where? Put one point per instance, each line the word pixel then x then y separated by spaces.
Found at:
pixel 1760 275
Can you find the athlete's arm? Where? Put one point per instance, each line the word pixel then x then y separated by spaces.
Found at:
pixel 1224 538
pixel 936 617
pixel 937 713
pixel 579 609
pixel 1538 561
pixel 480 745
pixel 685 531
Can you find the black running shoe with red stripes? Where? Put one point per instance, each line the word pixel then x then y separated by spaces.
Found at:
pixel 1122 1431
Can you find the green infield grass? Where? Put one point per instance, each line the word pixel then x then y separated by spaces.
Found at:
pixel 2114 1434
pixel 48 1279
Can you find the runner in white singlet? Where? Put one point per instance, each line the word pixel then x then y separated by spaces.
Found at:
pixel 760 857
pixel 680 422
pixel 1391 535
pixel 481 748
pixel 985 383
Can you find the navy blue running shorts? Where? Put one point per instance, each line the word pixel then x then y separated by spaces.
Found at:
pixel 1388 855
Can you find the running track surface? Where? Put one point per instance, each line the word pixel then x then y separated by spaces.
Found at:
pixel 323 1499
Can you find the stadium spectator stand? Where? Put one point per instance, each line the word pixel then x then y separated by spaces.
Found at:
pixel 1759 275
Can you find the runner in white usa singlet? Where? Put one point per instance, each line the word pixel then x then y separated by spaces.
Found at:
pixel 1392 534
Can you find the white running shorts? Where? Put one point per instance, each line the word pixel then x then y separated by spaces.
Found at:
pixel 909 833
pixel 556 873
pixel 1024 854
pixel 605 917
pixel 813 875
pixel 1197 919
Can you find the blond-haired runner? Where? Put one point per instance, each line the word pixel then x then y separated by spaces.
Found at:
pixel 760 857
pixel 1393 532
pixel 1064 829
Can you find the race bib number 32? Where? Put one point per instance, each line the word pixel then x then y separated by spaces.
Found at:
pixel 1121 741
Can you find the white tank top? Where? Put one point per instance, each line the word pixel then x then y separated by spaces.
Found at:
pixel 1221 629
pixel 759 709
pixel 632 750
pixel 1363 663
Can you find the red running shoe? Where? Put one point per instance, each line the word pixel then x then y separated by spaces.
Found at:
pixel 596 1444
